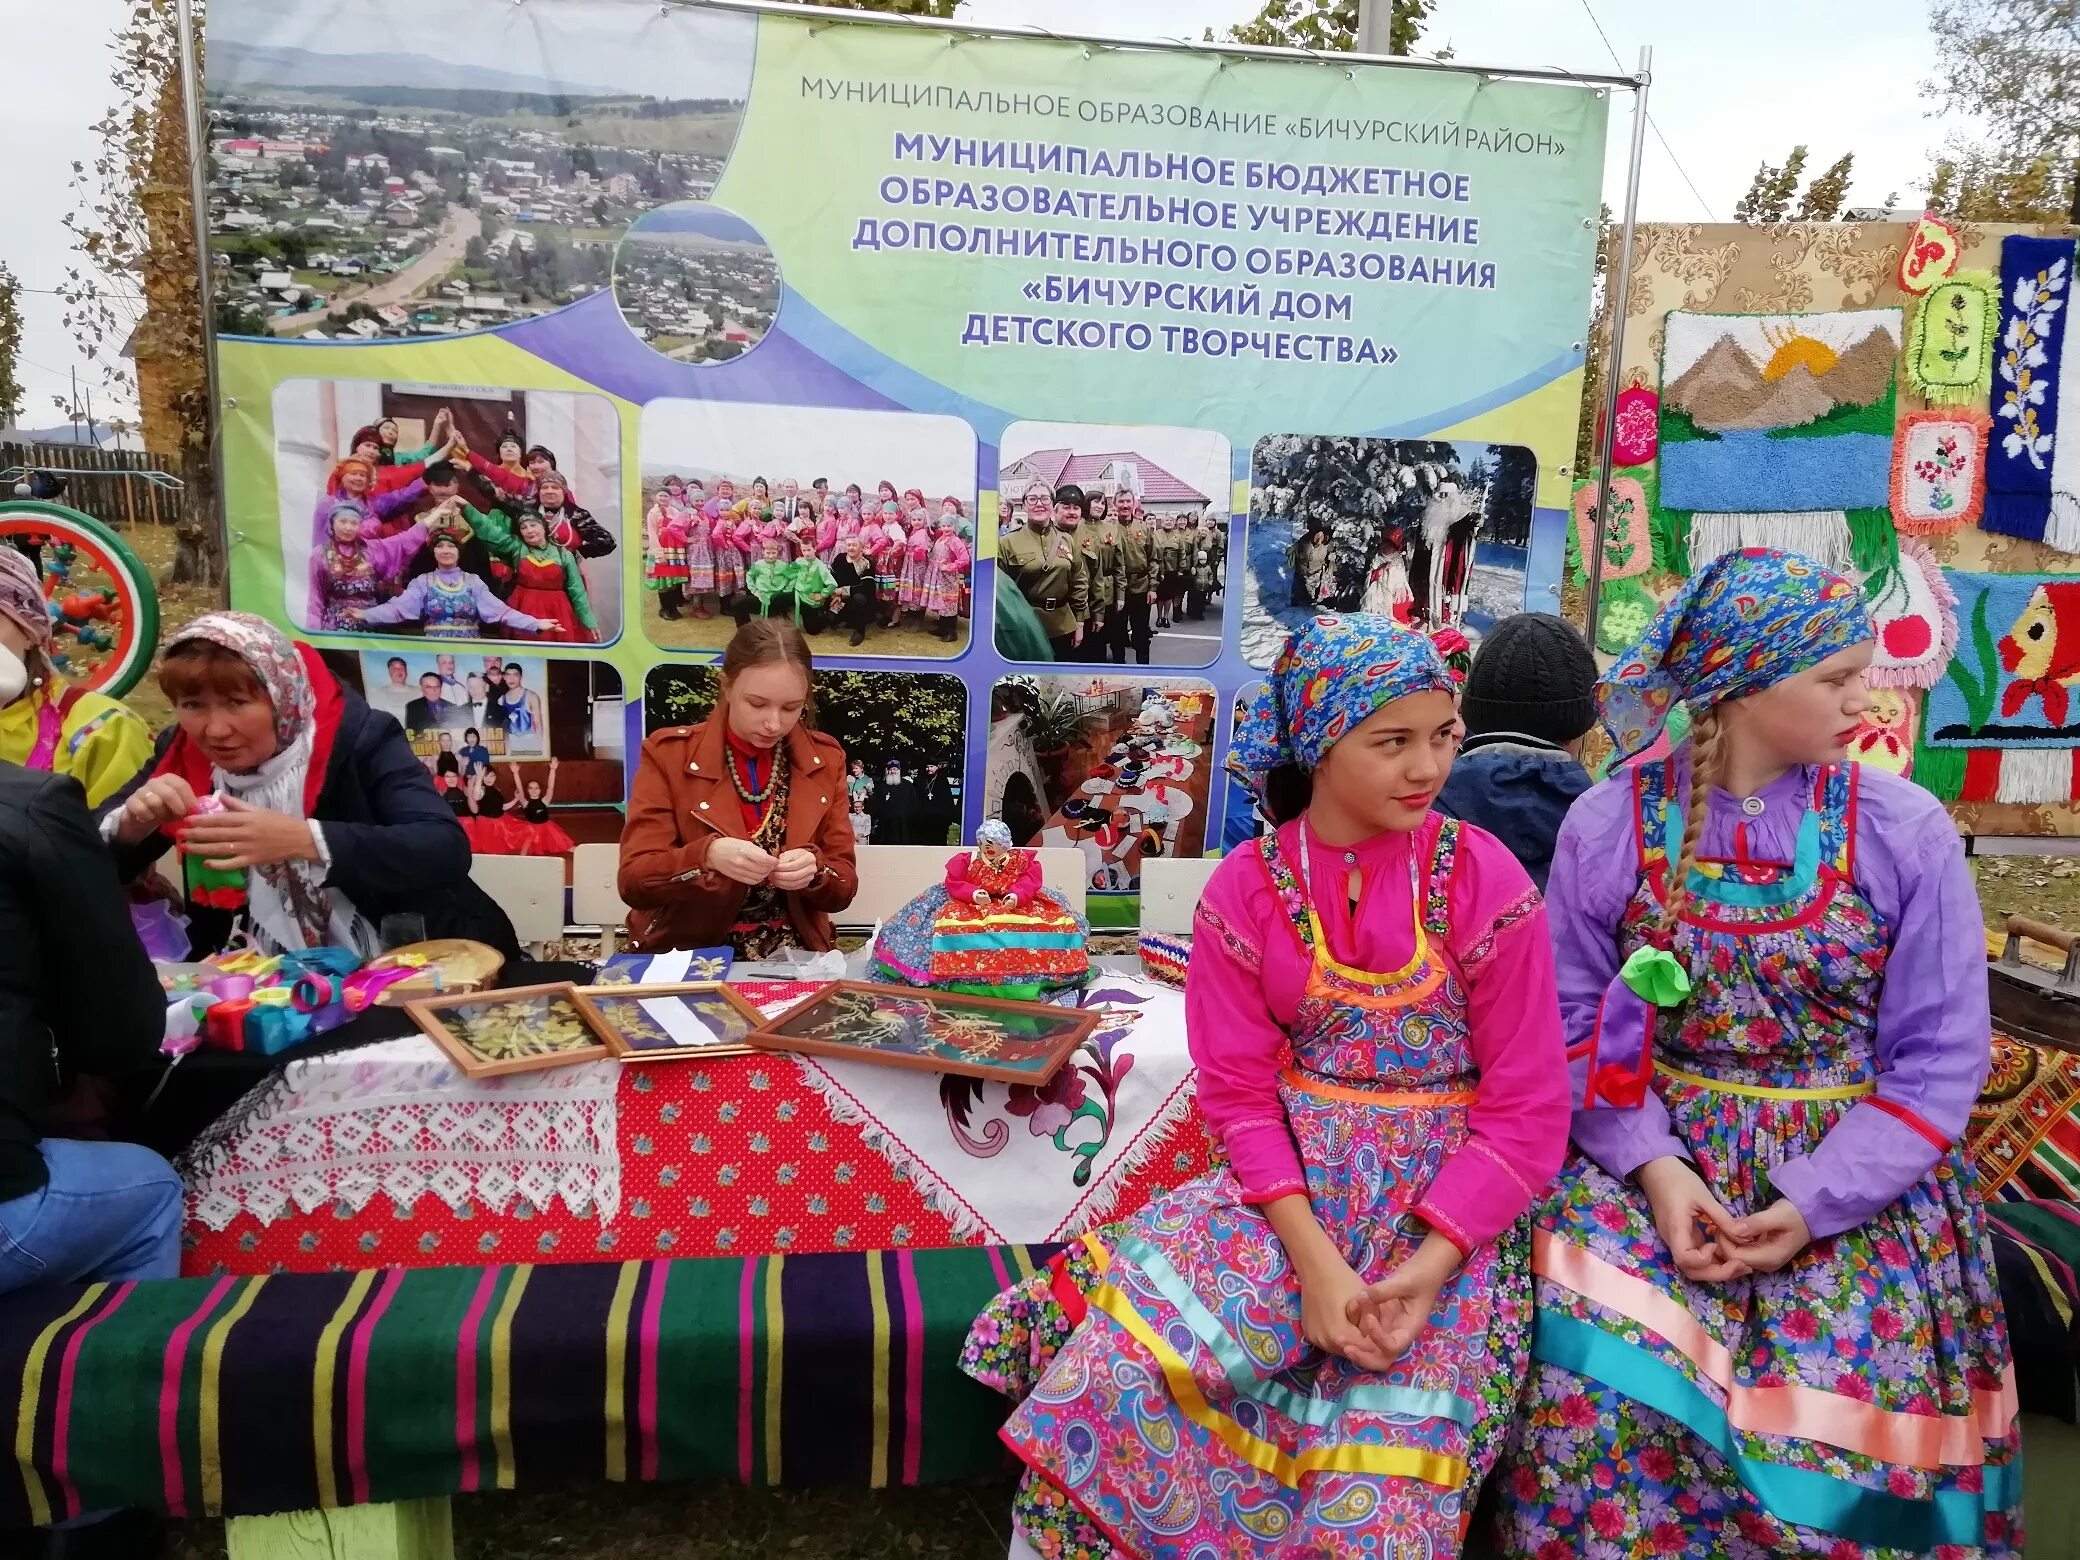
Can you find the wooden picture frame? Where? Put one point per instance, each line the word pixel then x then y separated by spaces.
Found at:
pixel 446 1022
pixel 817 1026
pixel 603 1004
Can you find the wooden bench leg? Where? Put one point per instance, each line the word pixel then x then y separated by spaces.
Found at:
pixel 407 1530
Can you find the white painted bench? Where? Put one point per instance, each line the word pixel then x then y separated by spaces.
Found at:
pixel 890 876
pixel 1171 888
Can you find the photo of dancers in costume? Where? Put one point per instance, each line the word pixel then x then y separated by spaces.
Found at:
pixel 1431 534
pixel 1115 767
pixel 446 515
pixel 1115 540
pixel 871 554
pixel 1319 1343
pixel 526 751
pixel 1768 1320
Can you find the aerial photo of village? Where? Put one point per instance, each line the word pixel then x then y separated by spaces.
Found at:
pixel 696 282
pixel 366 196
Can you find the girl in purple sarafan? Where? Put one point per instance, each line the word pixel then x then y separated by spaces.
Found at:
pixel 1315 1349
pixel 1768 1321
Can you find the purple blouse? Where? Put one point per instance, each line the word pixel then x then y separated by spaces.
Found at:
pixel 1934 1027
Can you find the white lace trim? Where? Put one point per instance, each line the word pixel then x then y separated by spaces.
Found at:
pixel 398 1118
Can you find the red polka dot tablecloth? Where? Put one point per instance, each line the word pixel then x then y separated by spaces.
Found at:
pixel 725 1157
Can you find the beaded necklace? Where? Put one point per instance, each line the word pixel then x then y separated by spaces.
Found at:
pixel 763 797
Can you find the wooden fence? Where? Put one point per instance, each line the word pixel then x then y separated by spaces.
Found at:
pixel 116 487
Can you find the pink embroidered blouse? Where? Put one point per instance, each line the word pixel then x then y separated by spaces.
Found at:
pixel 1248 971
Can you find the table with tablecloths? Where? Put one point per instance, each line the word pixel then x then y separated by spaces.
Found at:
pixel 385 1156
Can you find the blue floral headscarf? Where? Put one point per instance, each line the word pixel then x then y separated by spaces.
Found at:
pixel 1746 621
pixel 1329 678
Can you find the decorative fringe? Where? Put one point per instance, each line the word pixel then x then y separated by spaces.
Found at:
pixel 1096 1207
pixel 1671 539
pixel 1892 597
pixel 1822 535
pixel 2034 775
pixel 1966 309
pixel 1873 541
pixel 2062 530
pixel 1914 496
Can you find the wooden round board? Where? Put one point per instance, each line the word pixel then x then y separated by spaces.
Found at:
pixel 451 966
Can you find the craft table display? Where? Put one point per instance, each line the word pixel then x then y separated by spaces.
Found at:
pixel 384 1156
pixel 208 1396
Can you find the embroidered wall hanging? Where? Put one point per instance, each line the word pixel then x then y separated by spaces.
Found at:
pixel 1628 544
pixel 1931 254
pixel 1939 470
pixel 1885 739
pixel 1778 412
pixel 1636 435
pixel 1915 611
pixel 1950 344
pixel 2027 378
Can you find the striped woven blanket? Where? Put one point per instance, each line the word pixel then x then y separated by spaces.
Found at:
pixel 243 1396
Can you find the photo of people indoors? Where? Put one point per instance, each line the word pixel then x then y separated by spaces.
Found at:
pixel 1431 534
pixel 1112 543
pixel 858 527
pixel 1115 766
pixel 454 516
pixel 904 735
pixel 526 752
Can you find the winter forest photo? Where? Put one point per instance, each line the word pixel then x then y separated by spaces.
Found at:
pixel 1425 531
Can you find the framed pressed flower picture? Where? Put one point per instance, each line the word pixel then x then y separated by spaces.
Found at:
pixel 646 1023
pixel 521 1029
pixel 934 1031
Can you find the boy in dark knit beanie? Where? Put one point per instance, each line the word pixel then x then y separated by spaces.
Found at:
pixel 1529 700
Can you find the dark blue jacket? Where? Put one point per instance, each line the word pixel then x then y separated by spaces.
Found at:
pixel 1518 789
pixel 396 847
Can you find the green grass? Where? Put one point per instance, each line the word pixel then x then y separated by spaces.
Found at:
pixel 965 1521
pixel 1878 417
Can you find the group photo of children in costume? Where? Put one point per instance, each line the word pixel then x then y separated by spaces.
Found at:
pixel 1630 1217
pixel 481 515
pixel 859 528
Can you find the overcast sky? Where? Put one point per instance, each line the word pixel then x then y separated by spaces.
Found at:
pixel 1727 94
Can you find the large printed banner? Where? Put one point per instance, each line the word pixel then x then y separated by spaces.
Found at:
pixel 594 326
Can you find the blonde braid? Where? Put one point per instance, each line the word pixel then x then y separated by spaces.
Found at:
pixel 1706 734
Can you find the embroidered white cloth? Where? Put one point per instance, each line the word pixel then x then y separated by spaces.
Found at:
pixel 1011 1164
pixel 399 1118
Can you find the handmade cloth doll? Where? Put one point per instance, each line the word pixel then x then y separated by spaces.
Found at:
pixel 990 928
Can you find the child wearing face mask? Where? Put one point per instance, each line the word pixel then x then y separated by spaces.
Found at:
pixel 1767 1316
pixel 45 722
pixel 1318 1343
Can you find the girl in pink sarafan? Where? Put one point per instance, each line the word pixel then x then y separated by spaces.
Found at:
pixel 891 552
pixel 917 556
pixel 946 575
pixel 1315 1349
pixel 730 559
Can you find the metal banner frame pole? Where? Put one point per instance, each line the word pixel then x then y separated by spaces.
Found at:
pixel 1615 301
pixel 193 114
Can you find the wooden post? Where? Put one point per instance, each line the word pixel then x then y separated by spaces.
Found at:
pixel 406 1530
